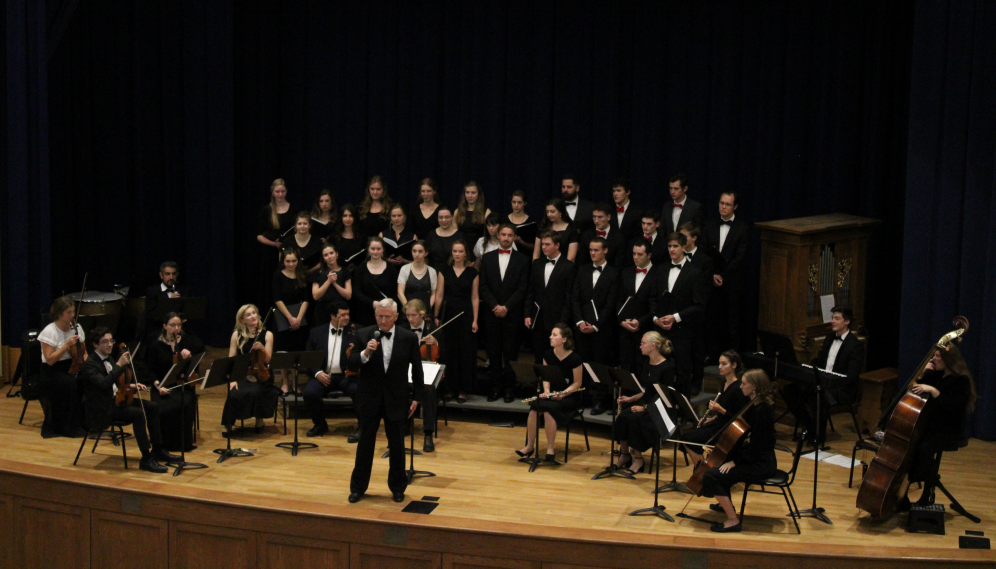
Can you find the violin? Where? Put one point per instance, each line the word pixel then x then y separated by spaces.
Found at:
pixel 126 393
pixel 430 353
pixel 257 359
pixel 176 359
pixel 78 350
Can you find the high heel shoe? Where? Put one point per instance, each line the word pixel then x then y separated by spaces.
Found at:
pixel 523 454
pixel 628 461
pixel 638 471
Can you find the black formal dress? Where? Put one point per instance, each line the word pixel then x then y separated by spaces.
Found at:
pixel 617 255
pixel 374 223
pixel 687 299
pixel 323 306
pixel 323 339
pixel 637 428
pixel 310 254
pixel 430 399
pixel 562 410
pixel 406 236
pixel 691 211
pixel 800 397
pixel 440 247
pixel 634 304
pixel 548 303
pixel 754 461
pixel 725 301
pixel 424 226
pixel 320 230
pixel 508 290
pixel 569 235
pixel 251 399
pixel 98 400
pixel 270 256
pixel 732 399
pixel 596 306
pixel 58 390
pixel 159 359
pixel 944 420
pixel 471 230
pixel 351 249
pixel 287 290
pixel 369 287
pixel 416 287
pixel 461 342
pixel 383 393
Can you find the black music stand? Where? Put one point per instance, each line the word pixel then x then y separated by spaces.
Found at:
pixel 177 378
pixel 823 381
pixel 665 430
pixel 619 379
pixel 431 374
pixel 779 347
pixel 533 374
pixel 298 361
pixel 224 371
pixel 684 409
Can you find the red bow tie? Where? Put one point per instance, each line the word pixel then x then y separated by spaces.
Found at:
pixel 620 209
pixel 504 251
pixel 600 233
pixel 639 270
pixel 678 205
pixel 648 238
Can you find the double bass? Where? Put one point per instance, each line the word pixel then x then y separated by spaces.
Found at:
pixel 886 479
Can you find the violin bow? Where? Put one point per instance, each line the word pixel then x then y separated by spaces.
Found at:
pixel 134 375
pixel 444 324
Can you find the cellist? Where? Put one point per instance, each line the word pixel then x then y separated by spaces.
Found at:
pixel 417 323
pixel 754 461
pixel 98 378
pixel 248 399
pixel 62 343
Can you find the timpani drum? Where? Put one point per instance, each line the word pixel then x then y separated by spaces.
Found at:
pixel 94 303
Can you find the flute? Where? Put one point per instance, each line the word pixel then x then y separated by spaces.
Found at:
pixel 564 392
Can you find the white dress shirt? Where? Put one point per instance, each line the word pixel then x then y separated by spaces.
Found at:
pixel 724 230
pixel 572 208
pixel 548 269
pixel 332 364
pixel 676 212
pixel 640 277
pixel 619 216
pixel 162 286
pixel 386 347
pixel 503 263
pixel 672 277
pixel 834 349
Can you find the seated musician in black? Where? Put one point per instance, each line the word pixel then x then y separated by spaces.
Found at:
pixel 173 344
pixel 635 428
pixel 336 339
pixel 754 461
pixel 250 397
pixel 727 404
pixel 843 353
pixel 950 391
pixel 98 378
pixel 415 315
pixel 560 408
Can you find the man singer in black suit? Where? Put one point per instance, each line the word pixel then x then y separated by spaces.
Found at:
pixel 729 236
pixel 382 392
pixel 577 208
pixel 335 339
pixel 625 218
pixel 167 288
pixel 548 296
pixel 504 279
pixel 843 353
pixel 636 291
pixel 615 242
pixel 593 305
pixel 682 208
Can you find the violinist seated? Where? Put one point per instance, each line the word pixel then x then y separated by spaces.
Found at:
pixel 635 428
pixel 842 353
pixel 168 287
pixel 950 391
pixel 173 346
pixel 416 322
pixel 336 339
pixel 99 378
pixel 754 461
pixel 63 348
pixel 256 396
pixel 721 410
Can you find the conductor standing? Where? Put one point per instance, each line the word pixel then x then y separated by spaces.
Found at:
pixel 382 392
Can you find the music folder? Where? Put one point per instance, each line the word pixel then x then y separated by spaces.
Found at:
pixel 394 249
pixel 527 231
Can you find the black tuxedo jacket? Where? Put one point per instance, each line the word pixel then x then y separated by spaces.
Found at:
pixel 318 341
pixel 604 294
pixel 147 322
pixel 703 262
pixel 657 250
pixel 849 361
pixel 734 249
pixel 582 215
pixel 692 211
pixel 376 388
pixel 98 391
pixel 615 241
pixel 636 303
pixel 510 292
pixel 630 227
pixel 687 299
pixel 554 298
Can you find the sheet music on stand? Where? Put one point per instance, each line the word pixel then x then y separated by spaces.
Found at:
pixel 180 371
pixel 432 373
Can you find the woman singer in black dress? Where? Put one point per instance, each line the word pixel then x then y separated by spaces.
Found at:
pixel 950 391
pixel 470 214
pixel 457 287
pixel 726 406
pixel 375 207
pixel 64 409
pixel 324 215
pixel 635 428
pixel 424 220
pixel 351 243
pixel 174 341
pixel 417 280
pixel 373 281
pixel 556 409
pixel 330 285
pixel 250 398
pixel 399 233
pixel 755 460
pixel 557 219
pixel 441 240
pixel 291 296
pixel 308 246
pixel 275 219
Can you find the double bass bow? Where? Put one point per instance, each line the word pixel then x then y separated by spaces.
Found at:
pixel 886 480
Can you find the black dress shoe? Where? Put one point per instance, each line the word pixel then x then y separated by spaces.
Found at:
pixel 399 496
pixel 509 397
pixel 428 445
pixel 317 431
pixel 720 528
pixel 550 458
pixel 354 438
pixel 718 508
pixel 597 409
pixel 354 497
pixel 461 399
pixel 162 456
pixel 493 397
pixel 149 464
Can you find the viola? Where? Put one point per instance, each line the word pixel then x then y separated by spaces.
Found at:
pixel 126 393
pixel 77 351
pixel 257 358
pixel 429 352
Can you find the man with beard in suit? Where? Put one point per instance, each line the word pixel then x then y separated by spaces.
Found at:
pixel 729 236
pixel 504 279
pixel 167 288
pixel 577 208
pixel 681 208
pixel 548 296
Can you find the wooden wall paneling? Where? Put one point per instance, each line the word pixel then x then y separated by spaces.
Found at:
pixel 50 535
pixel 453 561
pixel 7 531
pixel 288 552
pixel 195 546
pixel 128 542
pixel 375 557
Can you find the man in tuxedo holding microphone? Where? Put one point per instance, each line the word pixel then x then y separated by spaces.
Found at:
pixel 382 392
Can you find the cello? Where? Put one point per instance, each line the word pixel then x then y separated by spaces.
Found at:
pixel 886 480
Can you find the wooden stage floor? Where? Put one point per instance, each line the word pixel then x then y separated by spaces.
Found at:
pixel 480 485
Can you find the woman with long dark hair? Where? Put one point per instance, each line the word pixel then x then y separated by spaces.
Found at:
pixel 441 240
pixel 331 285
pixel 350 241
pixel 291 297
pixel 174 343
pixel 373 281
pixel 275 219
pixel 458 287
pixel 375 207
pixel 399 234
pixel 558 220
pixel 424 220
pixel 308 246
pixel 728 403
pixel 324 215
pixel 471 213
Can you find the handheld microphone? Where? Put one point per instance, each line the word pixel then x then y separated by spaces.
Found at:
pixel 376 336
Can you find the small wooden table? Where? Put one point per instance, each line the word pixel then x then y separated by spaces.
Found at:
pixel 873 387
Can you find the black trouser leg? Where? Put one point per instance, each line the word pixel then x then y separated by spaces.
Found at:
pixel 733 318
pixel 133 415
pixel 397 479
pixel 541 341
pixel 313 394
pixel 152 423
pixel 797 398
pixel 629 355
pixel 429 407
pixel 360 479
pixel 683 363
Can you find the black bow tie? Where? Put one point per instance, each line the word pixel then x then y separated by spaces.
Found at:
pixel 385 335
pixel 838 338
pixel 676 266
pixel 726 222
pixel 599 269
pixel 335 331
pixel 575 202
pixel 417 330
pixel 552 261
pixel 689 255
